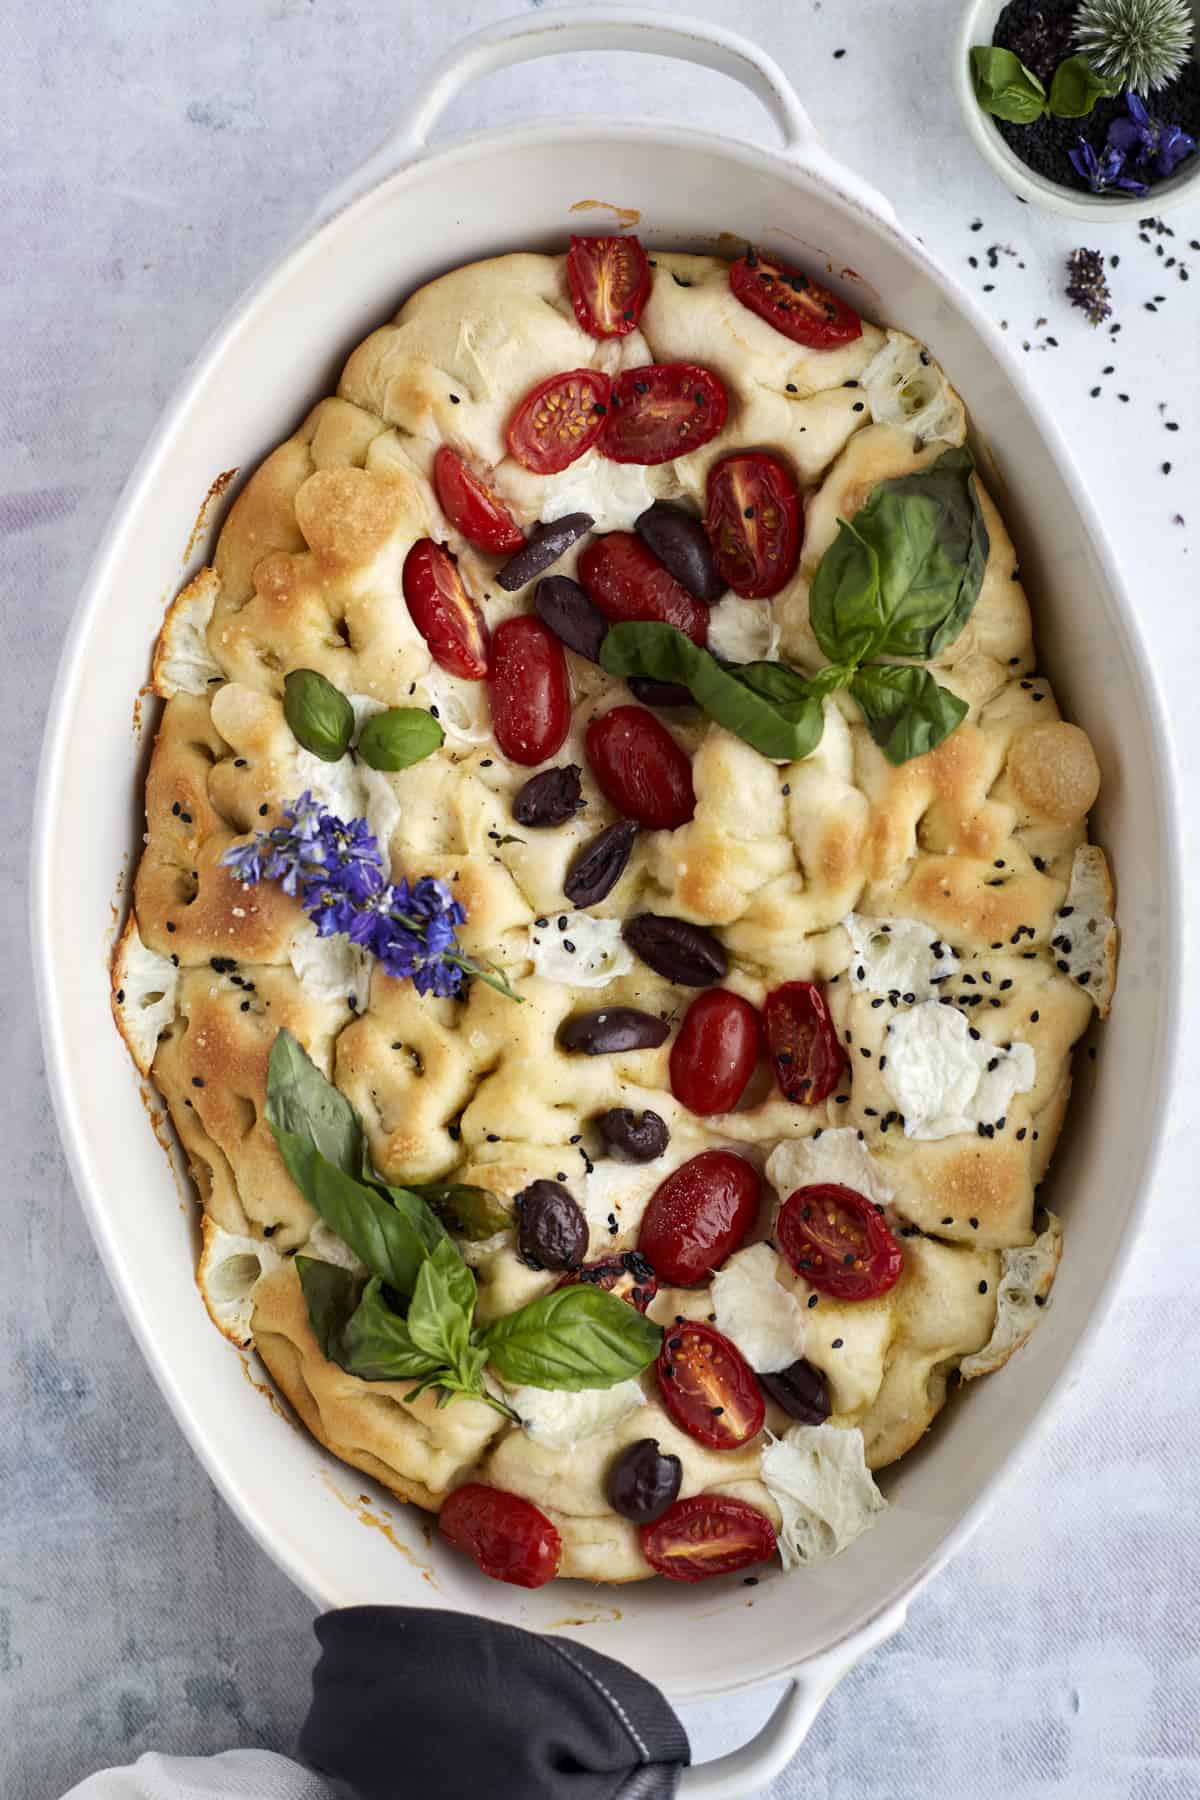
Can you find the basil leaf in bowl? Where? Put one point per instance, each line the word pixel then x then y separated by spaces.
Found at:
pixel 1005 87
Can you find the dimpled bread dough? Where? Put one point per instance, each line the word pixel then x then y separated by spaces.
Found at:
pixel 976 839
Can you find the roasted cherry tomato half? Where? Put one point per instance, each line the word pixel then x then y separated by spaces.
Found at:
pixel 839 1242
pixel 708 1534
pixel 507 1537
pixel 714 1055
pixel 559 419
pixel 640 768
pixel 471 506
pixel 803 1042
pixel 628 1275
pixel 754 523
pixel 609 279
pixel 529 690
pixel 796 305
pixel 625 579
pixel 699 1215
pixel 662 411
pixel 443 611
pixel 708 1387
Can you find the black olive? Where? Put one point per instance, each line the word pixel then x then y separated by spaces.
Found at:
pixel 562 605
pixel 672 948
pixel 801 1390
pixel 550 798
pixel 599 866
pixel 543 547
pixel 642 1483
pixel 613 1029
pixel 633 1137
pixel 680 542
pixel 552 1232
pixel 659 693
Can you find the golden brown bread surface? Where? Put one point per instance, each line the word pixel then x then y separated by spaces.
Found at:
pixel 979 841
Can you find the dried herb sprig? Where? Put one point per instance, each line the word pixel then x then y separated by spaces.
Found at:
pixel 1087 286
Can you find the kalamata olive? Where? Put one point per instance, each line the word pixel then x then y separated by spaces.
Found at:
pixel 599 866
pixel 562 605
pixel 679 541
pixel 801 1390
pixel 676 950
pixel 613 1029
pixel 552 1231
pixel 659 693
pixel 633 1137
pixel 542 548
pixel 550 798
pixel 643 1482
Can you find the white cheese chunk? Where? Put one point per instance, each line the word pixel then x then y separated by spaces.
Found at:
pixel 183 662
pixel 145 986
pixel 330 968
pixel 364 707
pixel 743 630
pixel 335 784
pixel 818 1477
pixel 586 953
pixel 1026 1276
pixel 1085 933
pixel 380 807
pixel 614 494
pixel 325 1245
pixel 756 1312
pixel 561 1420
pixel 943 1080
pixel 837 1156
pixel 461 706
pixel 620 1191
pixel 897 956
pixel 904 387
pixel 230 1267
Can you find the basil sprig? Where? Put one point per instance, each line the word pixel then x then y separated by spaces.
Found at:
pixel 1008 90
pixel 413 1315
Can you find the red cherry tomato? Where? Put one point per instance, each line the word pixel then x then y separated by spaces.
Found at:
pixel 472 507
pixel 803 1042
pixel 708 1534
pixel 640 768
pixel 714 1055
pixel 559 419
pixel 796 305
pixel 708 1387
pixel 627 1275
pixel 753 522
pixel 699 1215
pixel 839 1242
pixel 529 690
pixel 443 611
pixel 625 579
pixel 609 279
pixel 507 1536
pixel 662 411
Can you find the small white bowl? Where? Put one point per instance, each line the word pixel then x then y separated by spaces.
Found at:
pixel 978 23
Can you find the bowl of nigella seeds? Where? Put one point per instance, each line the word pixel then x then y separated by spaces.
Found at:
pixel 1086 107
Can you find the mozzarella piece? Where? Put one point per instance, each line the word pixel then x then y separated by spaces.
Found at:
pixel 904 387
pixel 586 953
pixel 743 630
pixel 364 707
pixel 622 1190
pixel 1026 1276
pixel 145 986
pixel 837 1156
pixel 380 808
pixel 943 1080
pixel 818 1477
pixel 183 662
pixel 897 956
pixel 330 968
pixel 615 494
pixel 461 707
pixel 1086 939
pixel 335 785
pixel 325 1245
pixel 230 1267
pixel 561 1420
pixel 756 1312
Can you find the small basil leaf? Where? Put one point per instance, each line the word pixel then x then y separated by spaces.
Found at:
pixel 399 738
pixel 439 1316
pixel 470 1212
pixel 321 718
pixel 1005 87
pixel 302 1101
pixel 1076 87
pixel 331 1295
pixel 392 1234
pixel 906 710
pixel 785 730
pixel 573 1338
pixel 844 604
pixel 378 1345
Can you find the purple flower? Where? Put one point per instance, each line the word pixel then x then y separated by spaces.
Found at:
pixel 1151 144
pixel 1105 171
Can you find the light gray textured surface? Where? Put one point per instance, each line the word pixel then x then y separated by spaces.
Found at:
pixel 156 155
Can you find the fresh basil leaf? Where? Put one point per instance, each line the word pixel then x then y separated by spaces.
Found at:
pixel 784 729
pixel 321 717
pixel 331 1295
pixel 1005 87
pixel 906 710
pixel 439 1315
pixel 302 1101
pixel 399 738
pixel 572 1338
pixel 845 608
pixel 1076 87
pixel 393 1235
pixel 378 1345
pixel 470 1212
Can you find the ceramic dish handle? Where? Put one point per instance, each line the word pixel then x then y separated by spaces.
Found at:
pixel 572 29
pixel 744 1771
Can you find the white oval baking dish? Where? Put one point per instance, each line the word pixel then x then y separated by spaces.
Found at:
pixel 408 214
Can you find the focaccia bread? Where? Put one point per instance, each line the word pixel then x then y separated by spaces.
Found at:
pixel 975 852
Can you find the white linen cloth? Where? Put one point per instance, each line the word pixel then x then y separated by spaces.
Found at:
pixel 233 1775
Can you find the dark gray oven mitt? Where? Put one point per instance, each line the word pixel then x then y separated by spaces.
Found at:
pixel 443 1706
